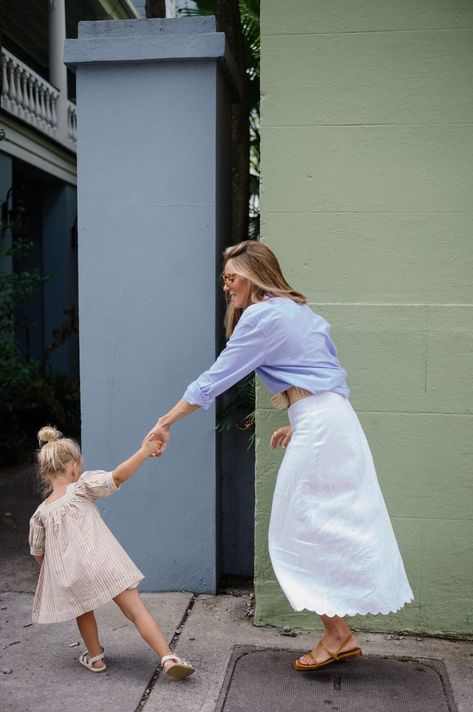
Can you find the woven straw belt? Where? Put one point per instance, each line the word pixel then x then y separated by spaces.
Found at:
pixel 288 397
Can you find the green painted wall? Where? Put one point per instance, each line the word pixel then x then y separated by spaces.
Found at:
pixel 367 161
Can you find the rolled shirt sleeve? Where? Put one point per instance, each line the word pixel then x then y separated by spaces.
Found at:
pixel 36 536
pixel 245 351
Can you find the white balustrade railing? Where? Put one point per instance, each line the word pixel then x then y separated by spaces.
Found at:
pixel 71 121
pixel 28 96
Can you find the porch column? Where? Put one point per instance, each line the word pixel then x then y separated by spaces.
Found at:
pixel 57 68
pixel 6 181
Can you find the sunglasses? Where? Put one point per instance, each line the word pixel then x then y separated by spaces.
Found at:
pixel 227 279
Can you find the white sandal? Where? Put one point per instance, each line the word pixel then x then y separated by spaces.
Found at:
pixel 88 662
pixel 180 670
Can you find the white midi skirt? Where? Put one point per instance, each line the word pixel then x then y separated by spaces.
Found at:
pixel 331 542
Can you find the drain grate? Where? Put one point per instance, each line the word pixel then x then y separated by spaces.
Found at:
pixel 264 681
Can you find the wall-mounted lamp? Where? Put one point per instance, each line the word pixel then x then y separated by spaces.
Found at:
pixel 15 216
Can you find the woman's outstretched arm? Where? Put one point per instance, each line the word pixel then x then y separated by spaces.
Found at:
pixel 245 351
pixel 161 429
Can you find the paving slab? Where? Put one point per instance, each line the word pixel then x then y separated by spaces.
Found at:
pixel 39 669
pixel 18 501
pixel 371 683
pixel 217 624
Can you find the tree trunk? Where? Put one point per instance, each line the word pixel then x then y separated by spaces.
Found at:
pixel 227 14
pixel 155 8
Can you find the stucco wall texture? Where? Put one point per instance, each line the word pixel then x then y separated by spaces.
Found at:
pixel 367 148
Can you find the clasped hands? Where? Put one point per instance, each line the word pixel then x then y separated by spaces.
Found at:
pixel 160 436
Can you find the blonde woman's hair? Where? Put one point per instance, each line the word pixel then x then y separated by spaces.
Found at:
pixel 54 454
pixel 259 265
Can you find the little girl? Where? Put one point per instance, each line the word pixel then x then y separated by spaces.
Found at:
pixel 82 564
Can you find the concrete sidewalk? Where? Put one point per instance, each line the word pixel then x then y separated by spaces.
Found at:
pixel 39 671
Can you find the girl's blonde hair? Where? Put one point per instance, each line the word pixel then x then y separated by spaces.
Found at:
pixel 259 265
pixel 54 454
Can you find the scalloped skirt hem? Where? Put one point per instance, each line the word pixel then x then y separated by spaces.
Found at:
pixel 353 612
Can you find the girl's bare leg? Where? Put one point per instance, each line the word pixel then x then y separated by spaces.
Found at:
pixel 335 633
pixel 133 608
pixel 90 635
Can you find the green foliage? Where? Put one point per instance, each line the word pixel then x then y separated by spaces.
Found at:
pixel 250 22
pixel 28 400
pixel 239 408
pixel 29 397
pixel 16 287
pixel 239 402
pixel 204 7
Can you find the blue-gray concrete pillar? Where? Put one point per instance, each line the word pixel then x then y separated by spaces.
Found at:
pixel 151 116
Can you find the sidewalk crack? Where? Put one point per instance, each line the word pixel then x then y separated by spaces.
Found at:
pixel 172 645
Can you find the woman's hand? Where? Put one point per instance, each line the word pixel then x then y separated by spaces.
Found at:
pixel 281 437
pixel 162 427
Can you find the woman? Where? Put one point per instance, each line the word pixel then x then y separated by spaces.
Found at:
pixel 331 543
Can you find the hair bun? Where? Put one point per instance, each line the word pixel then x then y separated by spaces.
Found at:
pixel 48 435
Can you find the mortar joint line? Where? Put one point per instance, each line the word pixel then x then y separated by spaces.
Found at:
pixel 154 678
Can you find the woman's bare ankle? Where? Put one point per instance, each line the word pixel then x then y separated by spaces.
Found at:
pixel 339 637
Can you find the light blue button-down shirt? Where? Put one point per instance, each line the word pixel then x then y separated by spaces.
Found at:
pixel 285 343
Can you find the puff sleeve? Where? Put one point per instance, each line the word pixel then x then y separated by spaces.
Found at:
pixel 95 484
pixel 37 535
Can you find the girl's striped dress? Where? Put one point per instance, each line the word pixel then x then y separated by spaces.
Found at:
pixel 84 566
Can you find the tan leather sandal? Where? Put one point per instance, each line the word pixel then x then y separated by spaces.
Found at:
pixel 338 656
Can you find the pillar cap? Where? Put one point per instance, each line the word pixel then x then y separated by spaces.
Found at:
pixel 151 40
